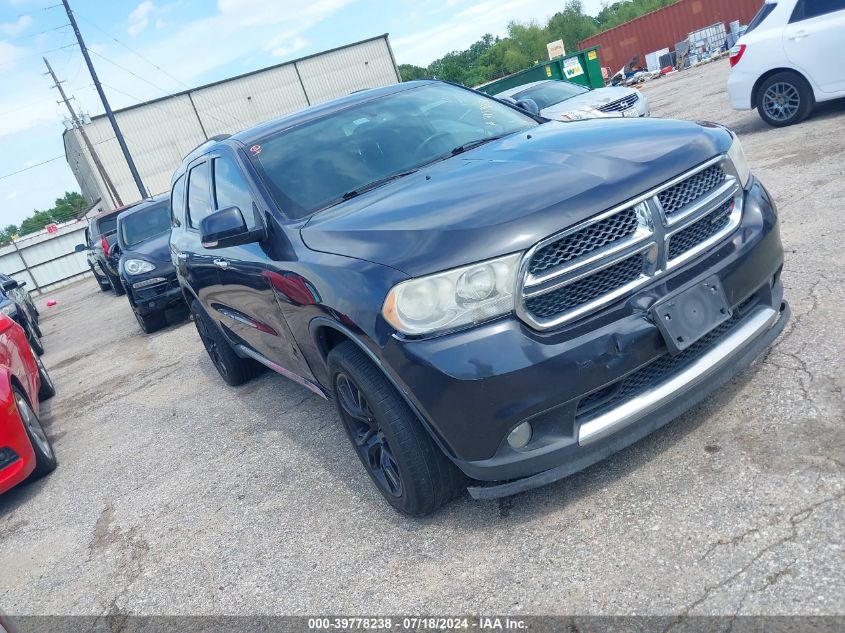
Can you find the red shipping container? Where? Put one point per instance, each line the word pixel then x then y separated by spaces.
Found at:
pixel 666 27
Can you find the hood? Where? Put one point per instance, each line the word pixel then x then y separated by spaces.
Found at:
pixel 507 195
pixel 593 99
pixel 155 250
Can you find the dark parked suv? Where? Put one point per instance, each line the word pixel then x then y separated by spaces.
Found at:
pixel 146 272
pixel 103 257
pixel 492 300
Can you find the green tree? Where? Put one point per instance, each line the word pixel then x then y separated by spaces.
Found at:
pixel 68 207
pixel 409 72
pixel 7 234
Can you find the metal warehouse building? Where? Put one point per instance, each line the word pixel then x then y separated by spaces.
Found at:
pixel 161 132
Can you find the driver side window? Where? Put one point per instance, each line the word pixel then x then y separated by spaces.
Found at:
pixel 231 188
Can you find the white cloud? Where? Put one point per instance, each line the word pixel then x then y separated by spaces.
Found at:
pixel 9 55
pixel 13 29
pixel 296 44
pixel 160 24
pixel 139 19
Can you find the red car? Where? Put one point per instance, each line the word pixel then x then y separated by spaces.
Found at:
pixel 25 449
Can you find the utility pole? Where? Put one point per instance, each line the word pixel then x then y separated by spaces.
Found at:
pixel 121 141
pixel 78 125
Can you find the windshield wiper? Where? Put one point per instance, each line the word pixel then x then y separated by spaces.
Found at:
pixel 460 149
pixel 376 183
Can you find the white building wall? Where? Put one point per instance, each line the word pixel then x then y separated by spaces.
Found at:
pixel 160 133
pixel 46 260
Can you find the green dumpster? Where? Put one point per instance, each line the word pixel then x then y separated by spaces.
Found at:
pixel 582 68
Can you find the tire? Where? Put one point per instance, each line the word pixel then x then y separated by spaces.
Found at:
pixel 45 458
pixel 33 310
pixel 34 340
pixel 405 464
pixel 116 286
pixel 152 322
pixel 232 368
pixel 34 325
pixel 47 390
pixel 784 99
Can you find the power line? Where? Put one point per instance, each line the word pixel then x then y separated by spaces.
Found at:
pixel 14 173
pixel 124 69
pixel 134 52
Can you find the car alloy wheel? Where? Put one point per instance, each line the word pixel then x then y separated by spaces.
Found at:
pixel 781 101
pixel 34 427
pixel 368 438
pixel 211 347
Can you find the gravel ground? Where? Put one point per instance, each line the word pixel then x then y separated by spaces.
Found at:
pixel 176 494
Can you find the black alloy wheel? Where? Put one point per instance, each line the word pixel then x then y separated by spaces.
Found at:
pixel 368 438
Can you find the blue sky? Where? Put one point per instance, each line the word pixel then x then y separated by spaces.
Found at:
pixel 195 42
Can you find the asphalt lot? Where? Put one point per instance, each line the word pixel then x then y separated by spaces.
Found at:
pixel 176 494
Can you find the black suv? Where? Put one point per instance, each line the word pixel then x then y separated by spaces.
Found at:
pixel 146 272
pixel 103 257
pixel 16 304
pixel 493 300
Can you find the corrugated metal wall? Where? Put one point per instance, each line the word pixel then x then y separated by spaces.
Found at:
pixel 46 260
pixel 160 133
pixel 665 27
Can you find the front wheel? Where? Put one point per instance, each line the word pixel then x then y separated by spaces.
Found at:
pixel 408 468
pixel 116 285
pixel 45 458
pixel 151 322
pixel 47 390
pixel 231 367
pixel 784 99
pixel 34 340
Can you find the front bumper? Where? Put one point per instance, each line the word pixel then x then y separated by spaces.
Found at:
pixel 473 387
pixel 154 298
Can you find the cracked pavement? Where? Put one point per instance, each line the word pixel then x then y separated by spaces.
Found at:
pixel 178 495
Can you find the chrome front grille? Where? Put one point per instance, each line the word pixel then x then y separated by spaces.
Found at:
pixel 621 104
pixel 676 198
pixel 607 257
pixel 620 226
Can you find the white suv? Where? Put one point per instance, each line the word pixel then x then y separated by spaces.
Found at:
pixel 791 56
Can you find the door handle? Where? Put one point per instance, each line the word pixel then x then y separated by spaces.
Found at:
pixel 221 263
pixel 800 35
pixel 182 257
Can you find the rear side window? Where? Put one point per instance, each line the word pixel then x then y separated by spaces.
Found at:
pixel 230 186
pixel 806 9
pixel 762 14
pixel 177 202
pixel 107 225
pixel 199 195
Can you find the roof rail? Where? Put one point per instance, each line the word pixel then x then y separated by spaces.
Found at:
pixel 211 139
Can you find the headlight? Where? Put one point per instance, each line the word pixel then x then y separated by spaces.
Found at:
pixel 453 298
pixel 737 156
pixel 137 266
pixel 7 309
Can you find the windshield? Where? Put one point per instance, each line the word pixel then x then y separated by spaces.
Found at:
pixel 145 224
pixel 317 164
pixel 548 94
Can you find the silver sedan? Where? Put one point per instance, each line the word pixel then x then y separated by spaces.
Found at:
pixel 567 101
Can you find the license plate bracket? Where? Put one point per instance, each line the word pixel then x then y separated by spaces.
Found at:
pixel 692 313
pixel 631 113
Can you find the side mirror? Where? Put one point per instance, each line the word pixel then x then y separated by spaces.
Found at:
pixel 227 227
pixel 11 284
pixel 80 248
pixel 21 284
pixel 529 105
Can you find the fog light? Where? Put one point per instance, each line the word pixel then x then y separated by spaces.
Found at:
pixel 520 436
pixel 149 282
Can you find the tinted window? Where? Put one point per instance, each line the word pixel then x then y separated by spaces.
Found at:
pixel 107 225
pixel 762 14
pixel 230 186
pixel 199 195
pixel 807 9
pixel 145 224
pixel 549 94
pixel 312 166
pixel 177 202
